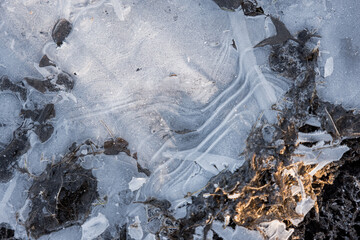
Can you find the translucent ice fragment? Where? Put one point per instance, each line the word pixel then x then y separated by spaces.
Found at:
pixel 329 67
pixel 135 230
pixel 136 183
pixel 303 207
pixel 276 230
pixel 93 227
pixel 237 234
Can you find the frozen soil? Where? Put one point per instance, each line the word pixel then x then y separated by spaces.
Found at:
pixel 337 216
pixel 61 196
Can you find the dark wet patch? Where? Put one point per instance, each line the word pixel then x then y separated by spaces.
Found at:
pixel 19 143
pixel 123 233
pixel 66 81
pixel 249 7
pixel 46 113
pixel 282 34
pixel 7 85
pixel 6 232
pixel 44 131
pixel 140 169
pixel 60 31
pixel 40 115
pixel 183 131
pixel 9 156
pixel 45 62
pixel 233 44
pixel 161 223
pixel 289 58
pixel 42 85
pixel 63 82
pixel 61 196
pixel 341 122
pixel 32 114
pixel 308 128
pixel 228 4
pixel 116 146
pixel 163 205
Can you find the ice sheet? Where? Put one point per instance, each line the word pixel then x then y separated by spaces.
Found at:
pixel 164 76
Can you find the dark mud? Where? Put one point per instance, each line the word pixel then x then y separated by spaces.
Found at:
pixel 61 196
pixel 61 31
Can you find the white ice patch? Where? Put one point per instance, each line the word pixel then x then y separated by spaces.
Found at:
pixel 323 152
pixel 9 117
pixel 303 207
pixel 313 122
pixel 121 10
pixel 4 203
pixel 314 137
pixel 93 227
pixel 136 183
pixel 135 229
pixel 239 233
pixel 210 162
pixel 276 230
pixel 320 154
pixel 329 67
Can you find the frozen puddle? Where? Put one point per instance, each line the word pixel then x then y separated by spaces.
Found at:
pixel 150 98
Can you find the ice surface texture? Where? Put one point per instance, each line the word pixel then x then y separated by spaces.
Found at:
pixel 177 80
